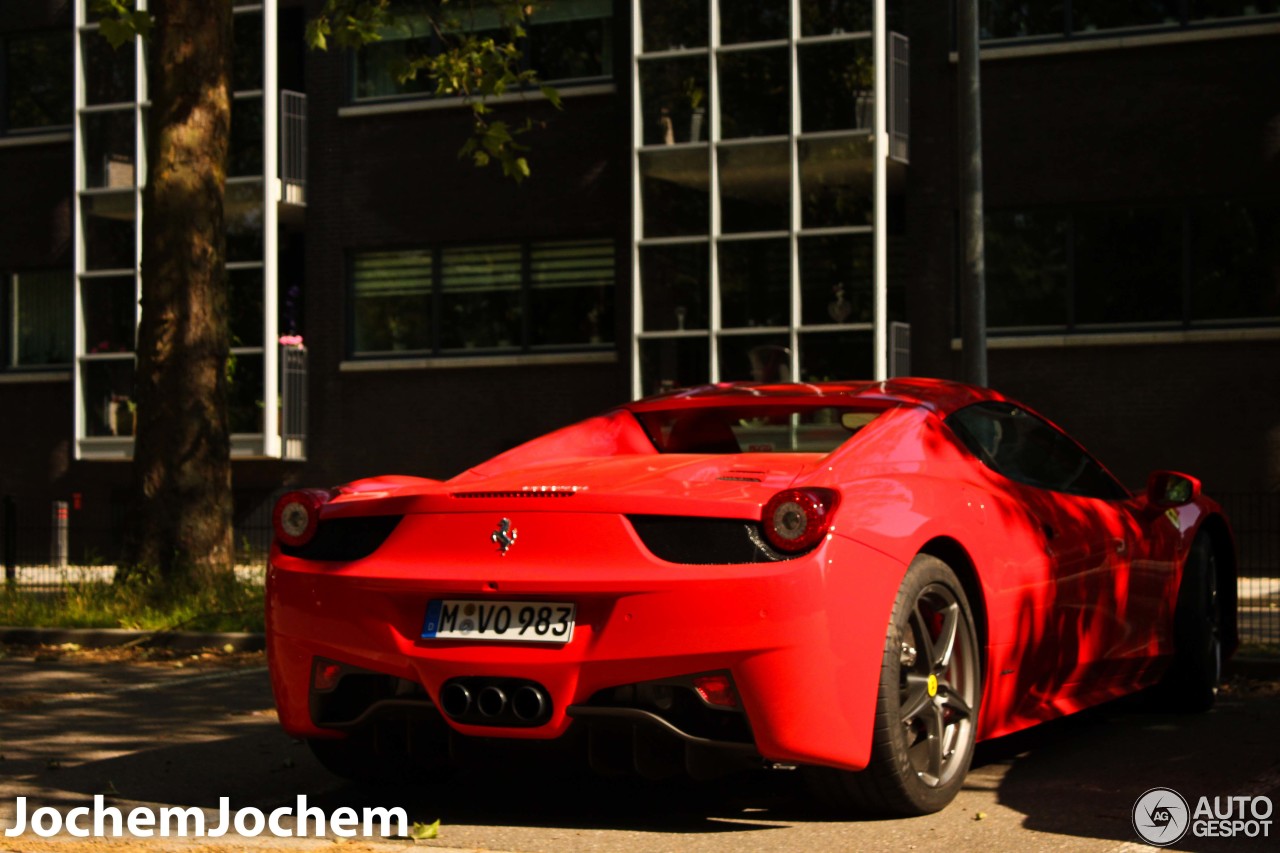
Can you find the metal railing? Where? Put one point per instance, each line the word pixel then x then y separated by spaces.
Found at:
pixel 899 118
pixel 1255 520
pixel 45 548
pixel 293 401
pixel 293 147
pixel 899 349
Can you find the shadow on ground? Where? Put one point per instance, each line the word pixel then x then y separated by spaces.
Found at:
pixel 1081 776
pixel 198 740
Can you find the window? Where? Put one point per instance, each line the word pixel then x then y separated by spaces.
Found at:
pixel 1027 268
pixel 566 42
pixel 391 302
pixel 1128 265
pixel 1020 19
pixel 1026 449
pixel 496 298
pixel 571 293
pixel 35 81
pixel 756 167
pixel 480 304
pixel 1235 261
pixel 1002 19
pixel 38 319
pixel 1212 10
pixel 754 429
pixel 1089 15
pixel 572 40
pixel 1181 265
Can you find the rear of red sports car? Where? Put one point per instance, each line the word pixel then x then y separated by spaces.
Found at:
pixel 678 608
pixel 743 576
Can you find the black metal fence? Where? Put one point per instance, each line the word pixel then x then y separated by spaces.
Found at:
pixel 1255 519
pixel 44 549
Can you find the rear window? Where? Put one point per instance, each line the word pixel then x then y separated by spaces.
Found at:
pixel 754 429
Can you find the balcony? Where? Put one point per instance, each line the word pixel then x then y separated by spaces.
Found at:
pixel 293 148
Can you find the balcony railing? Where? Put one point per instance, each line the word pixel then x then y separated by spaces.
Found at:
pixel 293 147
pixel 899 96
pixel 293 402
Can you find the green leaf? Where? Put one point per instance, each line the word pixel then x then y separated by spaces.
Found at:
pixel 317 30
pixel 552 94
pixel 473 66
pixel 141 23
pixel 120 22
pixel 116 32
pixel 424 831
pixel 499 133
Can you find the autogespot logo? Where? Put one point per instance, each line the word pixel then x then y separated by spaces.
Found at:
pixel 1160 817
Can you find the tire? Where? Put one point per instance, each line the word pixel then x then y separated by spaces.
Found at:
pixel 1191 685
pixel 387 753
pixel 926 706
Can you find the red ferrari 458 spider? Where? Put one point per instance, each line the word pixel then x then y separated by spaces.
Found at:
pixel 858 579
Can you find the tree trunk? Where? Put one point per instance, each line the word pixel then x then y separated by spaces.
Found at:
pixel 179 526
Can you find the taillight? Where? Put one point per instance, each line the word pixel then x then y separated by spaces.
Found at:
pixel 325 675
pixel 716 690
pixel 797 519
pixel 297 514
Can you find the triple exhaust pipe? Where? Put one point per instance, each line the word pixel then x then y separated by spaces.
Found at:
pixel 495 701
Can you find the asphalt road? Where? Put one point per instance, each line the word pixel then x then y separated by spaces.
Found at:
pixel 159 735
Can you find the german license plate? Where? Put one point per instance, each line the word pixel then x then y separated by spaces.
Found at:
pixel 499 621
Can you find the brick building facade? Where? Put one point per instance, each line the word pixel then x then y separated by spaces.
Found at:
pixel 1132 178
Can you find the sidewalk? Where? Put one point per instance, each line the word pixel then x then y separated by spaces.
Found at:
pixel 95 638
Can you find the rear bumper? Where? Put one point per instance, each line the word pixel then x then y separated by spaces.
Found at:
pixel 803 639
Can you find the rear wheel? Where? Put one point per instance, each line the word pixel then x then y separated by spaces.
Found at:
pixel 927 706
pixel 1192 682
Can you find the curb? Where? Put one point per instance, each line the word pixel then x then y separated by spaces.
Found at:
pixel 96 638
pixel 1252 667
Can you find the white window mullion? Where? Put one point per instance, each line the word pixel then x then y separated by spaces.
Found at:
pixel 77 226
pixel 141 96
pixel 637 209
pixel 793 153
pixel 713 88
pixel 880 153
pixel 271 445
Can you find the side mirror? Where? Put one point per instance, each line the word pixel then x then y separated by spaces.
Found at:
pixel 1169 489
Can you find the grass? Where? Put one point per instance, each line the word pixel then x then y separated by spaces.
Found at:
pixel 230 605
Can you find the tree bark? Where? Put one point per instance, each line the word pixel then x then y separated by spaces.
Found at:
pixel 180 525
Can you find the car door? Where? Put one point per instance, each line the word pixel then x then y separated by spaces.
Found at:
pixel 1077 510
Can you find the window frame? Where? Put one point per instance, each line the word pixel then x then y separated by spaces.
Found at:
pixel 5 87
pixel 565 85
pixel 526 295
pixel 1070 31
pixel 9 317
pixel 969 442
pixel 1186 255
